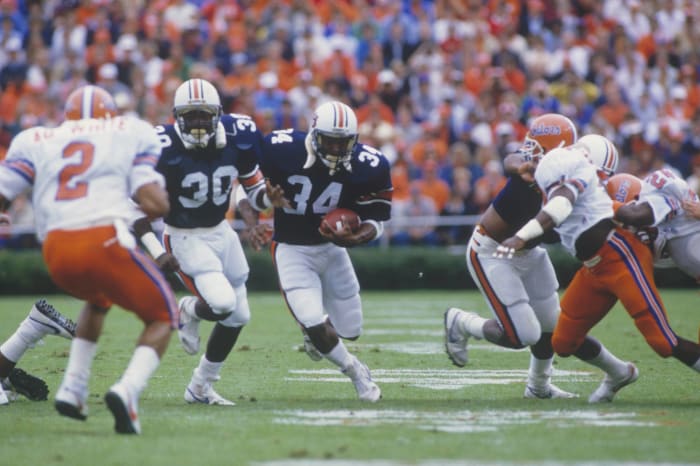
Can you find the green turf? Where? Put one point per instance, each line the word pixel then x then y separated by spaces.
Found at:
pixel 292 411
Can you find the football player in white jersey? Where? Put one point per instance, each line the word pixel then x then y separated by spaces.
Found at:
pixel 616 265
pixel 657 201
pixel 83 175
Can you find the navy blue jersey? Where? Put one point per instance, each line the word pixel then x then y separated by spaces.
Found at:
pixel 313 192
pixel 199 181
pixel 518 201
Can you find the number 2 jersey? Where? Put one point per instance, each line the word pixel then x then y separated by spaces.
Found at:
pixel 83 172
pixel 199 181
pixel 365 189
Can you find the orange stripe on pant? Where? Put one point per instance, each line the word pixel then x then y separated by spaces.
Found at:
pixel 496 305
pixel 625 272
pixel 91 265
pixel 184 278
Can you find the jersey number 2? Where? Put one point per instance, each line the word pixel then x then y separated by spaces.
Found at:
pixel 68 188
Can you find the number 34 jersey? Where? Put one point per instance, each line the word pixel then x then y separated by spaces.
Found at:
pixel 312 192
pixel 199 181
pixel 83 172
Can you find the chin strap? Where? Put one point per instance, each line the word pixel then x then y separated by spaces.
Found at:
pixel 220 136
pixel 310 155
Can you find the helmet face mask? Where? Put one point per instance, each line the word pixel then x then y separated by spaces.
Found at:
pixel 333 135
pixel 197 111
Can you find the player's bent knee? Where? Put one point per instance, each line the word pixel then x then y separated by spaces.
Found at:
pixel 564 347
pixel 236 319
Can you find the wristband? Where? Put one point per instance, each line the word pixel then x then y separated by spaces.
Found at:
pixel 152 245
pixel 558 208
pixel 531 230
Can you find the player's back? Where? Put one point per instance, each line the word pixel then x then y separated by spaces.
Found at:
pixel 570 167
pixel 82 170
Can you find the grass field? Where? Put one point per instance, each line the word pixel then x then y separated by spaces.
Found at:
pixel 292 411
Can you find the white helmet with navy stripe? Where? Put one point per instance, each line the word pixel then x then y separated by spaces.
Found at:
pixel 601 152
pixel 197 111
pixel 333 136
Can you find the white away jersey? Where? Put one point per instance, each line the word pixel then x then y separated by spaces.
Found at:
pixel 569 167
pixel 82 172
pixel 665 192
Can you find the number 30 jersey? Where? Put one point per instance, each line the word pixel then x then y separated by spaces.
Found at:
pixel 312 192
pixel 83 172
pixel 199 181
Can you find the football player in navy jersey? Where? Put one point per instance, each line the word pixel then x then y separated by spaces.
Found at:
pixel 203 153
pixel 521 292
pixel 319 171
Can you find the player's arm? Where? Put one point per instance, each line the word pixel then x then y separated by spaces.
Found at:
pixel 369 230
pixel 552 214
pixel 692 208
pixel 4 205
pixel 258 234
pixel 517 164
pixel 637 214
pixel 144 232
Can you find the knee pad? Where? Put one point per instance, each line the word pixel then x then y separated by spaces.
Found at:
pixel 527 327
pixel 217 292
pixel 241 316
pixel 547 311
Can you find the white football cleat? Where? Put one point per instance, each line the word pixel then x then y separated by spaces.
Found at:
pixel 124 407
pixel 188 330
pixel 547 393
pixel 455 339
pixel 4 400
pixel 205 394
pixel 366 389
pixel 49 321
pixel 71 402
pixel 607 390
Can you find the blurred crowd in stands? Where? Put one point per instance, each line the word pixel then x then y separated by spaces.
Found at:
pixel 445 88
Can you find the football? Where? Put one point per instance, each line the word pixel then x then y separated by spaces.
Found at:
pixel 334 219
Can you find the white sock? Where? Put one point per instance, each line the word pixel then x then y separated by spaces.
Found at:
pixel 696 366
pixel 26 336
pixel 206 371
pixel 143 364
pixel 540 372
pixel 608 362
pixel 188 306
pixel 82 353
pixel 340 356
pixel 474 325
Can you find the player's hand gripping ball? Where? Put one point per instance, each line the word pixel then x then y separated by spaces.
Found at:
pixel 333 220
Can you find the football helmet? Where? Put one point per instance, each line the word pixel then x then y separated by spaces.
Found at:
pixel 601 152
pixel 197 111
pixel 89 102
pixel 333 136
pixel 547 132
pixel 623 187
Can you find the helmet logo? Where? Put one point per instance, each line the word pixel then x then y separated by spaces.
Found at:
pixel 545 130
pixel 622 191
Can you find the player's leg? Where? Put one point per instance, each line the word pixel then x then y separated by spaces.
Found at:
pixel 299 269
pixel 514 325
pixel 584 304
pixel 43 319
pixel 541 284
pixel 634 283
pixel 685 252
pixel 341 299
pixel 227 297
